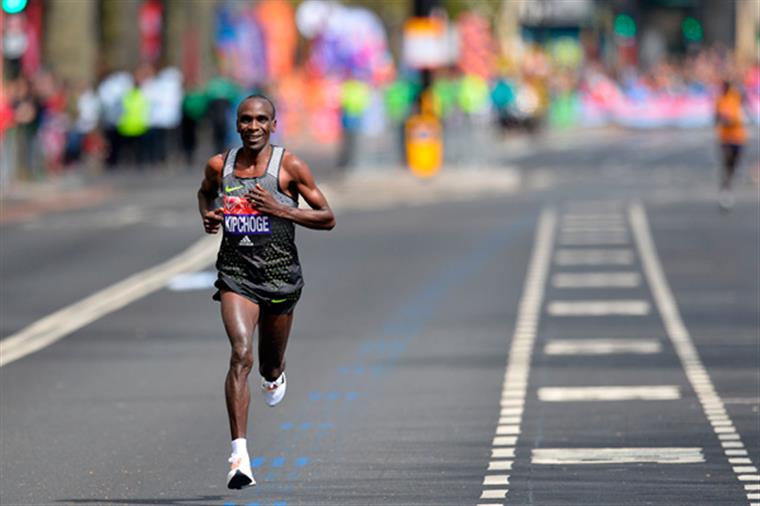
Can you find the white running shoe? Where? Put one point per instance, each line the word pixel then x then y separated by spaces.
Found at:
pixel 274 391
pixel 240 475
pixel 726 200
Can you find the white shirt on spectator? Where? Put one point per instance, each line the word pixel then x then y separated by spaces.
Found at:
pixel 111 90
pixel 164 94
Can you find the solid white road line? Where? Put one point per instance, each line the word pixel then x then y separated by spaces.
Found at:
pixel 594 256
pixel 596 280
pixel 679 335
pixel 617 393
pixel 598 308
pixel 518 363
pixel 566 456
pixel 63 322
pixel 602 346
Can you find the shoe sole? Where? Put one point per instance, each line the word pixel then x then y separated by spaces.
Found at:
pixel 239 481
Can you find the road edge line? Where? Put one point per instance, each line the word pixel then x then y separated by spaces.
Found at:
pixel 61 323
pixel 712 405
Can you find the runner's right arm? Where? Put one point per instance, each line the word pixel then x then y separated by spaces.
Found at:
pixel 207 194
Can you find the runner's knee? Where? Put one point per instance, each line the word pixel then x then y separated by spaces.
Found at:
pixel 241 358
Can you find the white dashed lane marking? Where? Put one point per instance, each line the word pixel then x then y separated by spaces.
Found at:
pixel 602 346
pixel 593 256
pixel 608 393
pixel 588 228
pixel 598 308
pixel 566 456
pixel 593 240
pixel 597 280
pixel 518 364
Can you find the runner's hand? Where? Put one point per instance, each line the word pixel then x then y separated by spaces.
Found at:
pixel 212 220
pixel 263 201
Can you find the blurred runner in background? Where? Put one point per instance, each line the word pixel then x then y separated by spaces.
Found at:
pixel 729 118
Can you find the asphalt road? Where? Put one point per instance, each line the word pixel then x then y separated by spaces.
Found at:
pixel 461 350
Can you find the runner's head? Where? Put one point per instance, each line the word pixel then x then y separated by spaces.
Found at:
pixel 256 121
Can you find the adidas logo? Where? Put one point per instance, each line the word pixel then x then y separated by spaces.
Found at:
pixel 245 241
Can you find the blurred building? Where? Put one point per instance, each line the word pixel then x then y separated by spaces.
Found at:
pixel 83 39
pixel 638 32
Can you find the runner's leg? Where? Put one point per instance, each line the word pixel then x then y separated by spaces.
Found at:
pixel 724 155
pixel 239 316
pixel 274 330
pixel 730 157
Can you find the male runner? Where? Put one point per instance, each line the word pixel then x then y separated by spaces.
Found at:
pixel 259 277
pixel 732 136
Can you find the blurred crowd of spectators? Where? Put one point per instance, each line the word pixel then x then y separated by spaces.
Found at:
pixel 147 117
pixel 48 124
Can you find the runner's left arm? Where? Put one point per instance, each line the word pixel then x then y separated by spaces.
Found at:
pixel 319 216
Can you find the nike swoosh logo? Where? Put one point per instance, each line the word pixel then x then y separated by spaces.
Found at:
pixel 232 188
pixel 277 301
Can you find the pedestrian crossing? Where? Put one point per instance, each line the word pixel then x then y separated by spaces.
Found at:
pixel 579 245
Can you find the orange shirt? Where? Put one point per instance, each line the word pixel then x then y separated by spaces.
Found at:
pixel 730 124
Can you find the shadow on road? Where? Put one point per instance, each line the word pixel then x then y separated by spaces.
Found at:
pixel 178 501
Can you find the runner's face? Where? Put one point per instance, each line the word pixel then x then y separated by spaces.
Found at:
pixel 255 123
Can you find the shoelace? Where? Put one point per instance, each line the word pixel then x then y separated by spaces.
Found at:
pixel 273 385
pixel 236 461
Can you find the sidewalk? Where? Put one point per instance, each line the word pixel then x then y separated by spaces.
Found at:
pixel 21 200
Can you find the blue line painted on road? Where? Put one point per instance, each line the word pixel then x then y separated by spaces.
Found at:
pixel 312 425
pixel 345 370
pixel 393 341
pixel 301 461
pixel 257 462
pixel 282 503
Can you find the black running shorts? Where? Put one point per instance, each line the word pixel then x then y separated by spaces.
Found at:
pixel 281 304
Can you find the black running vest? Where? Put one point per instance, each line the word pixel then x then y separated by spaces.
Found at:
pixel 258 251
